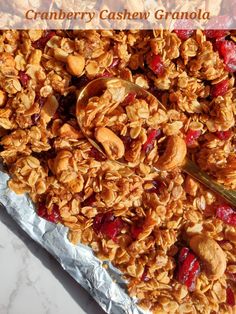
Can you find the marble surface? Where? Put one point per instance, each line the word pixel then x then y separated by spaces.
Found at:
pixel 31 280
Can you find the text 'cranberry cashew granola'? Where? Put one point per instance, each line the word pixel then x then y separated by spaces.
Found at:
pixel 172 238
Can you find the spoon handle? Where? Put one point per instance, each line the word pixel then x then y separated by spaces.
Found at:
pixel 192 169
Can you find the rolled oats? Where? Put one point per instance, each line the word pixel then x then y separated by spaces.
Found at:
pixel 137 218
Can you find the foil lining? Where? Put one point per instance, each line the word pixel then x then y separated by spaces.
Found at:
pixel 104 284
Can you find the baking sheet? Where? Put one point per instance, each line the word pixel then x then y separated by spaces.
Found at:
pixel 105 285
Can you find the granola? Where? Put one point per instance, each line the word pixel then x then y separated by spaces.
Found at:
pixel 172 238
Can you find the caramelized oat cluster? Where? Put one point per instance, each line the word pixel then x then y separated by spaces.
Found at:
pixel 133 128
pixel 172 238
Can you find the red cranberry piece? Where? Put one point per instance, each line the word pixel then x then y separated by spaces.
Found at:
pixel 188 268
pixel 144 276
pixel 157 65
pixel 223 135
pixel 183 254
pixel 153 134
pixel 217 26
pixel 226 214
pixel 230 298
pixel 194 271
pixel 41 210
pixel 215 33
pixel 54 216
pixel 129 99
pixel 108 225
pixel 191 136
pixel 184 29
pixel 112 228
pixel 24 78
pixel 135 231
pixel 184 33
pixel 42 41
pixel 227 50
pixel 220 88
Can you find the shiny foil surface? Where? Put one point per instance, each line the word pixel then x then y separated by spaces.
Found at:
pixel 103 283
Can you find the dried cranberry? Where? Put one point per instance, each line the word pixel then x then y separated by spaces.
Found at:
pixel 157 65
pixel 54 216
pixel 129 99
pixel 135 231
pixel 41 210
pixel 24 78
pixel 191 136
pixel 215 33
pixel 227 214
pixel 230 298
pixel 42 41
pixel 112 229
pixel 152 136
pixel 217 26
pixel 184 29
pixel 107 225
pixel 184 33
pixel 220 88
pixel 223 135
pixel 227 50
pixel 188 268
pixel 144 276
pixel 183 254
pixel 97 155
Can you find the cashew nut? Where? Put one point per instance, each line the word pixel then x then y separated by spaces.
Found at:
pixel 75 64
pixel 113 145
pixel 174 154
pixel 211 254
pixel 191 186
pixel 3 98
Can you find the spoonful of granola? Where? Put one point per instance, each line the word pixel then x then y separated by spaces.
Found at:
pixel 129 125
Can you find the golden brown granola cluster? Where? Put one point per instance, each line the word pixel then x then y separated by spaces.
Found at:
pixel 172 238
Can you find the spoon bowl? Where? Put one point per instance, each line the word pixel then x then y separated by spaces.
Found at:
pixel 97 86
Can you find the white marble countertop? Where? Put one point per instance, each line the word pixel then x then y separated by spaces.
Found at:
pixel 31 280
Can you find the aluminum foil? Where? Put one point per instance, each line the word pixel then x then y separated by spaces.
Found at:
pixel 105 285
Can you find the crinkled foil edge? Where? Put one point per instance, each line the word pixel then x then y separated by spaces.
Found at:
pixel 105 285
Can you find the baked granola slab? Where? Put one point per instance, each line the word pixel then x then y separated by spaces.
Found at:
pixel 172 238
